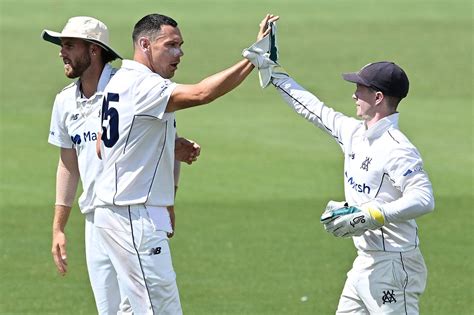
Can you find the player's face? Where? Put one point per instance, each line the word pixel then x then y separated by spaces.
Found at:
pixel 365 101
pixel 75 55
pixel 166 51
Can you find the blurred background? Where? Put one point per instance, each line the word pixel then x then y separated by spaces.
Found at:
pixel 248 238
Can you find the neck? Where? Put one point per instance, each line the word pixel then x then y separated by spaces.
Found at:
pixel 90 80
pixel 140 57
pixel 379 115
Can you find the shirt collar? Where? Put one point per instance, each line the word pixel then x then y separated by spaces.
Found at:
pixel 381 126
pixel 135 65
pixel 103 80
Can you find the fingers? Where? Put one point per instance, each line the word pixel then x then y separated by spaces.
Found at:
pixel 194 153
pixel 264 30
pixel 60 258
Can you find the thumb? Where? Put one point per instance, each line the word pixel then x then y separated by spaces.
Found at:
pixel 62 252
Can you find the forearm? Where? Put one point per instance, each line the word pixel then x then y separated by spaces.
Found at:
pixel 67 178
pixel 414 203
pixel 307 105
pixel 61 216
pixel 225 81
pixel 210 88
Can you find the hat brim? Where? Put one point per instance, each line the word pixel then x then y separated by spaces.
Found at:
pixel 354 78
pixel 55 38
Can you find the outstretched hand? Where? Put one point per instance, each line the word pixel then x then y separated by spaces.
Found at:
pixel 263 54
pixel 264 29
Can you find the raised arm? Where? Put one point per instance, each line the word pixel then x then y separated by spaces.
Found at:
pixel 216 85
pixel 185 96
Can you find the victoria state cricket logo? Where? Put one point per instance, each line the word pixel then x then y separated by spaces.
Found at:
pixel 365 164
pixel 388 297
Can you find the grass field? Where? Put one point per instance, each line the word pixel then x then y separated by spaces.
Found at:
pixel 248 239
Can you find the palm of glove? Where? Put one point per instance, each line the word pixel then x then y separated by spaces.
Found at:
pixel 344 221
pixel 264 55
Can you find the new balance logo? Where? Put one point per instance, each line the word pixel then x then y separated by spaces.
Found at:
pixel 155 251
pixel 388 297
pixel 75 117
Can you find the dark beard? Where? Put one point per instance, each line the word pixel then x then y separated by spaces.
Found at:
pixel 79 66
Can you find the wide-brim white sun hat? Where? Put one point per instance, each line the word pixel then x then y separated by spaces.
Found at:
pixel 83 27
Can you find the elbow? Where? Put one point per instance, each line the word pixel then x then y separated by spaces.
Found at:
pixel 428 203
pixel 431 204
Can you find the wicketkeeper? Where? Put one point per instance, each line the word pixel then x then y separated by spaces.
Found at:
pixel 385 184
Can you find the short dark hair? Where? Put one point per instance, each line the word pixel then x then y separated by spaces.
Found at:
pixel 107 56
pixel 150 25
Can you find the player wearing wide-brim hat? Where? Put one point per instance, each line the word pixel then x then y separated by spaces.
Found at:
pixel 86 28
pixel 86 52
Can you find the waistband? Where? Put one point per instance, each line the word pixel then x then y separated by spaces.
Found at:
pixel 130 207
pixel 377 254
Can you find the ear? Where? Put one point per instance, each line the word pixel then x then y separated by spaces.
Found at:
pixel 378 97
pixel 144 44
pixel 94 49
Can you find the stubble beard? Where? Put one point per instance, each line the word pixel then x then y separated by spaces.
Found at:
pixel 76 68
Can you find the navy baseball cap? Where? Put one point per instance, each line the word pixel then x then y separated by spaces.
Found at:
pixel 384 76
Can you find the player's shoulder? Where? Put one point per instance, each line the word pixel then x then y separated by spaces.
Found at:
pixel 397 144
pixel 66 98
pixel 396 137
pixel 68 91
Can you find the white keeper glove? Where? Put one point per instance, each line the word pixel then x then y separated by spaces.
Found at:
pixel 264 55
pixel 345 221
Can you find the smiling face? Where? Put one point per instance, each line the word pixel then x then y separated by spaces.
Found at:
pixel 75 55
pixel 165 51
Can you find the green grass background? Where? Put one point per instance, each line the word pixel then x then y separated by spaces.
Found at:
pixel 248 239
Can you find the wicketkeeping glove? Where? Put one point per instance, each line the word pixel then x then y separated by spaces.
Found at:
pixel 344 221
pixel 264 55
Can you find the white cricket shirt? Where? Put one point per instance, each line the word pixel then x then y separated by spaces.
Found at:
pixel 380 166
pixel 137 139
pixel 75 122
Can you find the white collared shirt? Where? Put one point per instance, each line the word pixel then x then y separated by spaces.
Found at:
pixel 138 139
pixel 75 123
pixel 380 166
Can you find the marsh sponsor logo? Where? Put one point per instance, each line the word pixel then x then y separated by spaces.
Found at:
pixel 86 137
pixel 76 139
pixel 362 188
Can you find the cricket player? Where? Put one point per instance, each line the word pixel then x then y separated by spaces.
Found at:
pixel 75 122
pixel 385 184
pixel 136 186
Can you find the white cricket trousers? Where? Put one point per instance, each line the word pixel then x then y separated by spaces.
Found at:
pixel 141 256
pixel 102 275
pixel 384 283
